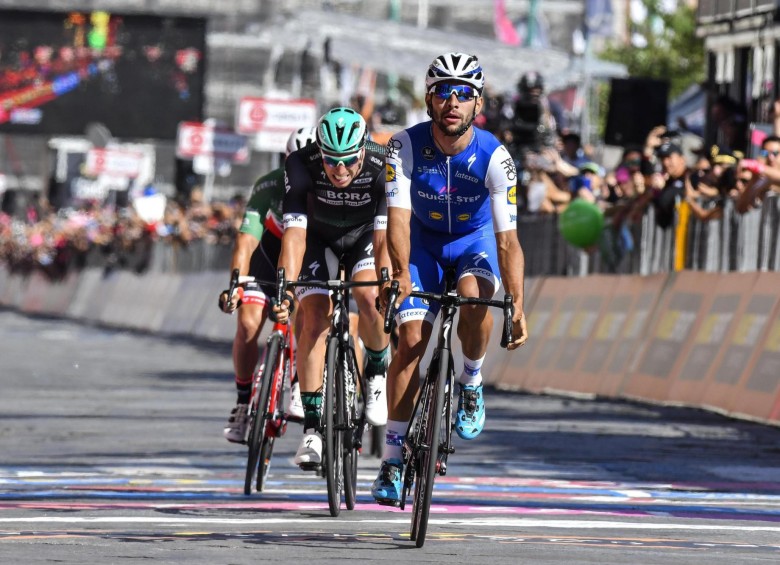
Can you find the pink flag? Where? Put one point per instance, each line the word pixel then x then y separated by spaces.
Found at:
pixel 503 27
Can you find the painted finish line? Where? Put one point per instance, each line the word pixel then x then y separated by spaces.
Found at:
pixel 28 488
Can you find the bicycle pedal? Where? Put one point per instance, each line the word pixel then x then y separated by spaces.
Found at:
pixel 388 502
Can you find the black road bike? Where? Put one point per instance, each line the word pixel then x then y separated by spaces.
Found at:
pixel 428 441
pixel 343 418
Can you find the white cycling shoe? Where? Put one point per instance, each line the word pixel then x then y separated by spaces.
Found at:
pixel 237 425
pixel 295 405
pixel 376 400
pixel 309 453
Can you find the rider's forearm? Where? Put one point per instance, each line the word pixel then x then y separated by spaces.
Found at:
pixel 511 264
pixel 242 252
pixel 293 249
pixel 398 238
pixel 381 256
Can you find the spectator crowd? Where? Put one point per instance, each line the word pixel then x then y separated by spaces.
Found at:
pixel 88 234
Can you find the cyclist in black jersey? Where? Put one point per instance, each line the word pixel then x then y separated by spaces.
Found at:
pixel 256 253
pixel 335 206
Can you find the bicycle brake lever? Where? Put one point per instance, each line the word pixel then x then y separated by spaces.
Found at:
pixel 392 296
pixel 509 311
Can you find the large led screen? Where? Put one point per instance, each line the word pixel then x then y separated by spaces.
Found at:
pixel 138 75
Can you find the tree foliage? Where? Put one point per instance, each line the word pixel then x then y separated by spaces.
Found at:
pixel 672 50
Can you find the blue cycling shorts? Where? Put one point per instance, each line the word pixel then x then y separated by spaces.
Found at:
pixel 473 254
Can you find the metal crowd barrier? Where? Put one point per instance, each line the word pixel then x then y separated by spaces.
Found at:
pixel 736 242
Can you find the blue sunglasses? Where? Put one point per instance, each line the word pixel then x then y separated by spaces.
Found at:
pixel 462 92
pixel 334 162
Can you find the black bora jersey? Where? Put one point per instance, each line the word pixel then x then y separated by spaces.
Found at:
pixel 334 212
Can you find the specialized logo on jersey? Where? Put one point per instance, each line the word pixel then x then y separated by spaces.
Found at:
pixel 369 249
pixel 428 153
pixel 471 161
pixel 389 172
pixel 480 256
pixel 313 268
pixel 416 288
pixel 511 195
pixel 464 217
pixel 435 215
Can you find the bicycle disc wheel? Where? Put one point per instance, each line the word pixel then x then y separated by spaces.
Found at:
pixel 426 472
pixel 333 445
pixel 260 412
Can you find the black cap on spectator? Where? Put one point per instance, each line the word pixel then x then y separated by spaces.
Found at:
pixel 571 136
pixel 668 149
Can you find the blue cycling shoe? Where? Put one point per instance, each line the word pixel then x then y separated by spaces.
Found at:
pixel 386 489
pixel 470 418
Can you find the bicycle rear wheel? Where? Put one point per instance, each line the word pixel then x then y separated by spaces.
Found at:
pixel 431 426
pixel 260 412
pixel 333 447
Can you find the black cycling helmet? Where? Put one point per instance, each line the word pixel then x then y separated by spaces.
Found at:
pixel 531 80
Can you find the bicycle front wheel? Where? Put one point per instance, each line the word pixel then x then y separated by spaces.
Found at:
pixel 260 412
pixel 333 448
pixel 353 430
pixel 432 414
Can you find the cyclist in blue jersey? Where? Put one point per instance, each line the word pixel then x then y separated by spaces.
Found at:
pixel 451 201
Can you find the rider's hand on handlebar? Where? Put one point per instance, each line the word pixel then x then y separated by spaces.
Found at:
pixel 404 288
pixel 229 306
pixel 281 312
pixel 519 330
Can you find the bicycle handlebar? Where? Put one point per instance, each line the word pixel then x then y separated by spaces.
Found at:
pixel 456 300
pixel 282 284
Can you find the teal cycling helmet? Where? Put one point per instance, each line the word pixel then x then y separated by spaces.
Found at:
pixel 341 131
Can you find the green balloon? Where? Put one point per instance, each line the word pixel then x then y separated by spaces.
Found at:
pixel 97 39
pixel 581 223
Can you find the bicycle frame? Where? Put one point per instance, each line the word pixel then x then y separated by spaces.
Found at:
pixel 278 420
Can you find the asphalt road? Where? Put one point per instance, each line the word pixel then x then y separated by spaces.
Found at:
pixel 111 452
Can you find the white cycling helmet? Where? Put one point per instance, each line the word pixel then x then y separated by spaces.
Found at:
pixel 301 138
pixel 455 66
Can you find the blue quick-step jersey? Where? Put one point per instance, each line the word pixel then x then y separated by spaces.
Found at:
pixel 455 194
